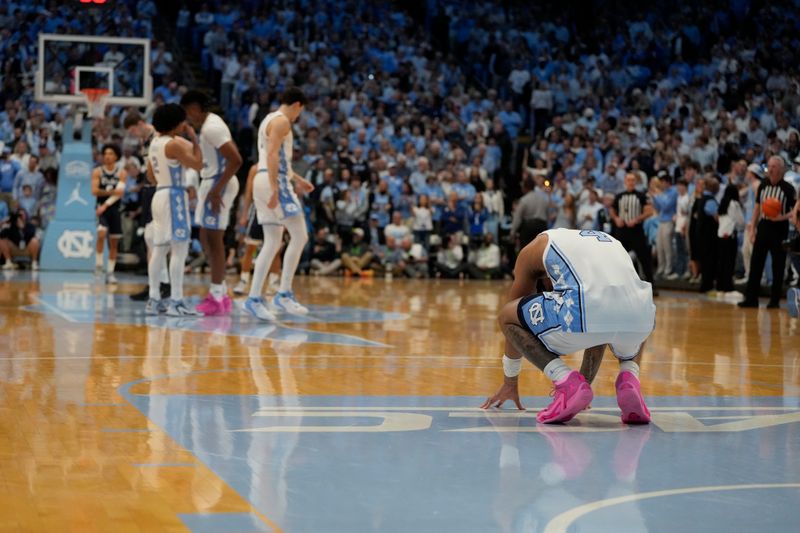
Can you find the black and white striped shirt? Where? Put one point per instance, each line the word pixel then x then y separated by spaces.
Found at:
pixel 783 191
pixel 629 205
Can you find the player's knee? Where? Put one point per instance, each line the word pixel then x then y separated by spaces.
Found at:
pixel 508 315
pixel 302 238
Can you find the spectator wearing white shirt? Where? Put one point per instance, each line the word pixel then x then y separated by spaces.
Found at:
pixel 423 220
pixel 587 213
pixel 161 63
pixel 397 230
pixel 21 154
pixel 450 260
pixel 113 57
pixel 542 107
pixel 485 261
pixel 704 153
pixel 230 73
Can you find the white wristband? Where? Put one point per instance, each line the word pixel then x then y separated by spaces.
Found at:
pixel 511 367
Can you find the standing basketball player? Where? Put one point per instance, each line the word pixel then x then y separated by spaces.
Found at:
pixel 108 185
pixel 145 133
pixel 216 194
pixel 596 299
pixel 253 238
pixel 278 207
pixel 168 156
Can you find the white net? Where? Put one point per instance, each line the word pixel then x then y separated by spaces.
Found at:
pixel 96 100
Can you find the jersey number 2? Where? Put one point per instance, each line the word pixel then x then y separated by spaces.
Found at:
pixel 599 235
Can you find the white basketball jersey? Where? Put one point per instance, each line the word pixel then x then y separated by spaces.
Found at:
pixel 168 172
pixel 285 153
pixel 213 135
pixel 598 279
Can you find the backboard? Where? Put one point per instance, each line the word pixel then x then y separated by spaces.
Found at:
pixel 69 63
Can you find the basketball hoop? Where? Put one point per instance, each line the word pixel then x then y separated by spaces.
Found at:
pixel 96 101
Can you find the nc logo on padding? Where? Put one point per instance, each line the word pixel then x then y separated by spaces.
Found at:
pixel 76 244
pixel 536 314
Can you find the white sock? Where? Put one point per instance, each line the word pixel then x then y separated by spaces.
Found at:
pixel 556 370
pixel 629 366
pixel 273 236
pixel 177 261
pixel 245 277
pixel 298 237
pixel 112 264
pixel 158 260
pixel 164 276
pixel 217 290
pixel 98 260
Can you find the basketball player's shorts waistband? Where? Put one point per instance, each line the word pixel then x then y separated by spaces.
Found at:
pixel 165 187
pixel 266 171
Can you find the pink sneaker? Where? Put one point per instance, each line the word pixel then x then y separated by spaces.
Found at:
pixel 210 306
pixel 571 396
pixel 630 401
pixel 227 304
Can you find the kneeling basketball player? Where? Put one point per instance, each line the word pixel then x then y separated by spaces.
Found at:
pixel 596 299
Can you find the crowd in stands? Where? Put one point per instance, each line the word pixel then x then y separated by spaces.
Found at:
pixel 439 141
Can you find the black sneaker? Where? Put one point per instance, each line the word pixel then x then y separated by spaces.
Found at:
pixel 773 305
pixel 141 296
pixel 748 303
pixel 166 291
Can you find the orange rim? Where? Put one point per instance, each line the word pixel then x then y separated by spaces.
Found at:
pixel 94 94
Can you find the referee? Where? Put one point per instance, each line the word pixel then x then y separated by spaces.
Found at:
pixel 631 208
pixel 769 234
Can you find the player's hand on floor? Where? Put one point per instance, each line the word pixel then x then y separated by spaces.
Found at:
pixel 508 391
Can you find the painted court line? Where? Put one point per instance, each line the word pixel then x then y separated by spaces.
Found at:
pixel 562 522
pixel 54 309
pixel 125 430
pixel 163 465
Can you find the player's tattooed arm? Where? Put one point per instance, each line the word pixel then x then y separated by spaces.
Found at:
pixel 592 357
pixel 528 345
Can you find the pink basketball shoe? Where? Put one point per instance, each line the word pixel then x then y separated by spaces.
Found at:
pixel 227 304
pixel 210 306
pixel 630 400
pixel 571 396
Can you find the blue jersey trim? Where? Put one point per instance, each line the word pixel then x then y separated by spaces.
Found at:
pixel 568 289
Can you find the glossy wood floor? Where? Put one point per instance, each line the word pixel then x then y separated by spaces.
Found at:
pixel 76 456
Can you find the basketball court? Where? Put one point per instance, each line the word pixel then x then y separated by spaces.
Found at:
pixel 363 416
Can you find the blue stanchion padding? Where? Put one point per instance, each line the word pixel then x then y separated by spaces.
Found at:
pixel 74 200
pixel 69 241
pixel 69 245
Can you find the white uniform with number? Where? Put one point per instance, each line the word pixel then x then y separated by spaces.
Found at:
pixel 597 297
pixel 288 203
pixel 213 135
pixel 169 174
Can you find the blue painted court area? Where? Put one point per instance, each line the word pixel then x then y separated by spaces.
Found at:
pixel 438 464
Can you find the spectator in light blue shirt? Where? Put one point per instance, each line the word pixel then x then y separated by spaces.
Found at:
pixel 464 190
pixel 511 120
pixel 8 171
pixel 666 204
